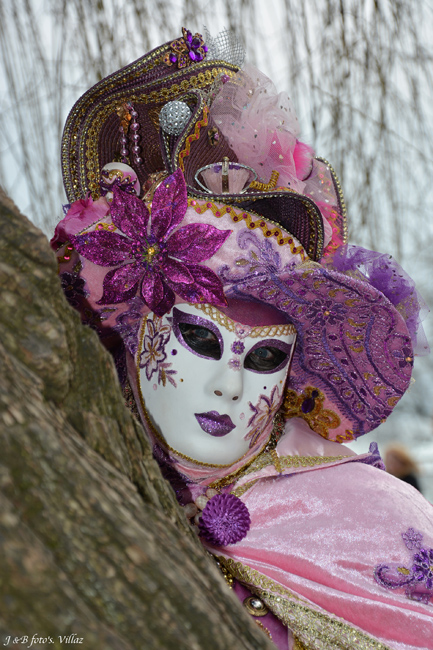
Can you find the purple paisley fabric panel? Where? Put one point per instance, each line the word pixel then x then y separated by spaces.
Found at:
pixel 337 317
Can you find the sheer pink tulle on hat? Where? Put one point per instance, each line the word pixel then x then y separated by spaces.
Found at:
pixel 262 128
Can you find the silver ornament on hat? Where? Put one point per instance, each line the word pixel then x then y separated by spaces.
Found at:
pixel 174 117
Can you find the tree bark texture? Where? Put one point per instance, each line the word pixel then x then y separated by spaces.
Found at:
pixel 92 541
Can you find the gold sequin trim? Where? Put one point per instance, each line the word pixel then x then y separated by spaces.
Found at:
pixel 263 628
pixel 238 492
pixel 319 419
pixel 192 137
pixel 266 187
pixel 232 326
pixel 247 217
pixel 315 630
pixel 285 462
pixel 337 184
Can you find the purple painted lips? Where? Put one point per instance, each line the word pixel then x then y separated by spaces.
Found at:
pixel 215 424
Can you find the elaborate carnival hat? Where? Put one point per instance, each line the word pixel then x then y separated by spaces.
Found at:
pixel 188 184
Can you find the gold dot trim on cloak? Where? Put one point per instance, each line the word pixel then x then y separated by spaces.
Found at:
pixel 263 628
pixel 256 332
pixel 84 172
pixel 154 429
pixel 201 205
pixel 314 628
pixel 309 406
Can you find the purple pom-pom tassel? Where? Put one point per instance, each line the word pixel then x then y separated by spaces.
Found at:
pixel 225 520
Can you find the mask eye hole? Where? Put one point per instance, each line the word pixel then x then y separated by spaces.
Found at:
pixel 265 359
pixel 201 340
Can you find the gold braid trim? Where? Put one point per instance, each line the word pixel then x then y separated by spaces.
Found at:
pixel 312 629
pixel 266 187
pixel 256 332
pixel 238 492
pixel 264 225
pixel 194 136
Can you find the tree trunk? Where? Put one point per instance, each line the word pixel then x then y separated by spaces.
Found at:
pixel 92 541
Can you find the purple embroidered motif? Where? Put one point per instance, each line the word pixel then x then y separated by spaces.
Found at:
pixel 263 412
pixel 156 262
pixel 418 579
pixel 225 520
pixel 153 354
pixel 412 538
pixel 422 567
pixel 165 374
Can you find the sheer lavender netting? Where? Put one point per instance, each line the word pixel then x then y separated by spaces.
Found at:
pixel 386 275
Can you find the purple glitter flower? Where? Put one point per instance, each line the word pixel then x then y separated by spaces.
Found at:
pixel 237 347
pixel 225 520
pixel 155 261
pixel 412 538
pixel 422 567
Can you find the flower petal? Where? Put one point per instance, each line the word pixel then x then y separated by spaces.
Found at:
pixel 167 301
pixel 169 205
pixel 120 284
pixel 152 290
pixel 196 242
pixel 129 214
pixel 176 272
pixel 207 287
pixel 103 247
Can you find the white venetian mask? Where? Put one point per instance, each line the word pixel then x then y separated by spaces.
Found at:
pixel 212 385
